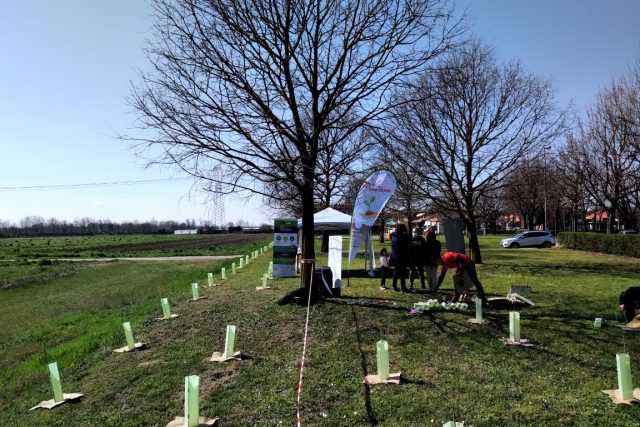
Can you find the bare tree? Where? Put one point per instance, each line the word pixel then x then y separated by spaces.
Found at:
pixel 628 107
pixel 337 164
pixel 608 154
pixel 524 191
pixel 473 119
pixel 253 84
pixel 490 207
pixel 572 182
pixel 408 199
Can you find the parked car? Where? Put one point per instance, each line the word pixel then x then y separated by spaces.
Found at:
pixel 542 239
pixel 628 232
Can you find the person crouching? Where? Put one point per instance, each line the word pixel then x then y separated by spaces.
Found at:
pixel 629 302
pixel 464 277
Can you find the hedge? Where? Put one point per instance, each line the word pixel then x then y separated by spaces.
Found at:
pixel 614 244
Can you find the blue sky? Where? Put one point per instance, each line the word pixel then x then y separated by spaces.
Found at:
pixel 581 44
pixel 65 68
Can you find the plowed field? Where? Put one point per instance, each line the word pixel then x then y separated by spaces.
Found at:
pixel 195 243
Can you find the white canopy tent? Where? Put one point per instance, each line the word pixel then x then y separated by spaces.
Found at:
pixel 330 219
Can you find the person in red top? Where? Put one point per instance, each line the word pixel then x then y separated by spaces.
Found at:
pixel 465 273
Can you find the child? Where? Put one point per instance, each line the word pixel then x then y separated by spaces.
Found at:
pixel 384 267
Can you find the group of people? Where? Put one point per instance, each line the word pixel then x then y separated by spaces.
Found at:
pixel 421 257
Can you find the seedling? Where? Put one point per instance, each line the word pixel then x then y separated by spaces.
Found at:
pixel 166 310
pixel 131 344
pixel 625 387
pixel 58 397
pixel 191 400
pixel 128 334
pixel 514 326
pixel 54 376
pixel 229 341
pixel 383 359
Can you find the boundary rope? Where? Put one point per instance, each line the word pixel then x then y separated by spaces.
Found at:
pixel 304 342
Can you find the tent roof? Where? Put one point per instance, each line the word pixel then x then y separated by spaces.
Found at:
pixel 330 219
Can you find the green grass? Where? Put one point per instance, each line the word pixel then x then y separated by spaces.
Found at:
pixel 117 245
pixel 451 370
pixel 30 259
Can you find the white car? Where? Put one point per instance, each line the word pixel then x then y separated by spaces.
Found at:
pixel 627 232
pixel 541 239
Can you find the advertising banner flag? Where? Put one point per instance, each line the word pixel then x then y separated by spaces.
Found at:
pixel 372 197
pixel 285 247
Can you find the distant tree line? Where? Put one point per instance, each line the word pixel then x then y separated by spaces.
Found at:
pixel 39 226
pixel 589 180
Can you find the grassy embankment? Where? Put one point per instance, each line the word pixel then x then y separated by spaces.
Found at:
pixel 26 259
pixel 451 370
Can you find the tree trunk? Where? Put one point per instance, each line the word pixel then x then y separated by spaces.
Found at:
pixel 474 245
pixel 308 244
pixel 324 246
pixel 382 221
pixel 611 219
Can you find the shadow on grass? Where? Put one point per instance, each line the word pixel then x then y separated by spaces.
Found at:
pixel 363 364
pixel 368 304
pixel 349 297
pixel 419 383
pixel 359 274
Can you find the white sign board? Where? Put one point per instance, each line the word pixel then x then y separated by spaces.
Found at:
pixel 335 260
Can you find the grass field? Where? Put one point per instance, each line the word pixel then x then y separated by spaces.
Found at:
pixel 123 246
pixel 450 370
pixel 27 259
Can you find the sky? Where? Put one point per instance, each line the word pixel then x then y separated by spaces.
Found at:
pixel 66 68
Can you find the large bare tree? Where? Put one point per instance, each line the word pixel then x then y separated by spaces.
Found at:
pixel 473 119
pixel 253 84
pixel 524 189
pixel 608 152
pixel 572 182
pixel 337 164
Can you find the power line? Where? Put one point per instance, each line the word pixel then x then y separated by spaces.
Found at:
pixel 88 185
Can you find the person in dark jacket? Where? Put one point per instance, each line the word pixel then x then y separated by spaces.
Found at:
pixel 432 255
pixel 400 256
pixel 417 253
pixel 629 302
